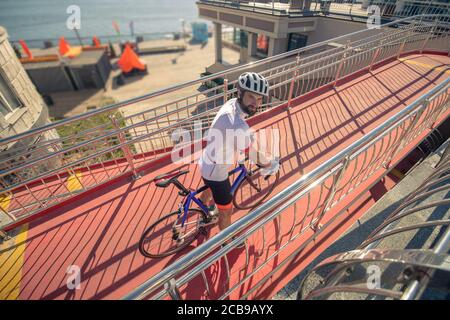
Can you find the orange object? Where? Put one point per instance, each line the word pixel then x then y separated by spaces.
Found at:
pixel 96 42
pixel 63 46
pixel 45 58
pixel 66 50
pixel 26 49
pixel 130 60
pixel 73 52
pixel 224 207
pixel 261 42
pixel 92 48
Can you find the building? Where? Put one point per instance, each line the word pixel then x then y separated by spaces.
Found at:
pixel 90 70
pixel 266 28
pixel 21 106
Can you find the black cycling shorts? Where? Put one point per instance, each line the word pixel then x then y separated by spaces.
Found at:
pixel 221 191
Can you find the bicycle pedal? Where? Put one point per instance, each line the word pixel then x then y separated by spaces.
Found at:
pixel 214 219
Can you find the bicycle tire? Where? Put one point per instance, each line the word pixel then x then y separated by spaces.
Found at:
pixel 151 229
pixel 268 191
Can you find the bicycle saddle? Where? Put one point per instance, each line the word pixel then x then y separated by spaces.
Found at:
pixel 168 178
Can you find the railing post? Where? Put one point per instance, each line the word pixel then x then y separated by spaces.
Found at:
pixel 225 90
pixel 4 236
pixel 125 148
pixel 425 43
pixel 172 289
pixel 332 193
pixel 428 37
pixel 400 50
pixel 375 57
pixel 341 64
pixel 435 116
pixel 406 131
pixel 291 85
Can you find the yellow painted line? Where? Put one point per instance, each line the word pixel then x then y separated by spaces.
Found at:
pixel 425 65
pixel 5 200
pixel 12 254
pixel 74 182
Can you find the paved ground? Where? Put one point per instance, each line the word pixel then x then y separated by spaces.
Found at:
pixel 163 72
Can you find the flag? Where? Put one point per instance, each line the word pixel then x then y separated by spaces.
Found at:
pixel 132 27
pixel 116 27
pixel 64 47
pixel 25 48
pixel 96 42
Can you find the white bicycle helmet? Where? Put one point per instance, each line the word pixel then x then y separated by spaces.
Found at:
pixel 252 81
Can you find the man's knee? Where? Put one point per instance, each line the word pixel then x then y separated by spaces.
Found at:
pixel 225 207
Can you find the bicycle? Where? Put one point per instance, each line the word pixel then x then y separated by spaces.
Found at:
pixel 184 225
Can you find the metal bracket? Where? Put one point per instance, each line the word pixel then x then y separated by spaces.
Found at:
pixel 172 289
pixel 412 273
pixel 4 236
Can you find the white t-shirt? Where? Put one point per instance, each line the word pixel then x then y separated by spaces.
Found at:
pixel 228 136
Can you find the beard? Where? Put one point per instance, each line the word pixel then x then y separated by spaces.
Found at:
pixel 247 110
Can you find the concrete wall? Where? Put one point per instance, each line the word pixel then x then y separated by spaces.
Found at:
pixel 327 28
pixel 30 114
pixel 33 112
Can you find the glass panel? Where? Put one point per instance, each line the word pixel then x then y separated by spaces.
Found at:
pixel 7 97
pixel 296 41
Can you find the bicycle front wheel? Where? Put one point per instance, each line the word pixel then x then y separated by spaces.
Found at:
pixel 254 189
pixel 167 236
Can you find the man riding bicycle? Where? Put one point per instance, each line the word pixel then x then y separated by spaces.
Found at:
pixel 228 138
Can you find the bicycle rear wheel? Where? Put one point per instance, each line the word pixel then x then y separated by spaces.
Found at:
pixel 254 189
pixel 166 236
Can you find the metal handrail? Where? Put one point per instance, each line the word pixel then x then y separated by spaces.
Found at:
pixel 333 9
pixel 367 251
pixel 307 64
pixel 272 208
pixel 113 107
pixel 253 64
pixel 136 125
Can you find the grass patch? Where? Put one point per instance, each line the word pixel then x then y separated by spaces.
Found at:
pixel 90 128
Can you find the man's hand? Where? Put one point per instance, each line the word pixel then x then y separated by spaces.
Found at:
pixel 271 168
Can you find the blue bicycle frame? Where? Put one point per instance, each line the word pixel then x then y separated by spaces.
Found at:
pixel 192 196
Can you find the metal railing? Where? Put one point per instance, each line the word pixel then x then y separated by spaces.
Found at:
pixel 346 9
pixel 312 198
pixel 317 194
pixel 118 139
pixel 406 273
pixel 45 43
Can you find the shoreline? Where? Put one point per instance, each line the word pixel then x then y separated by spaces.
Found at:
pixel 115 39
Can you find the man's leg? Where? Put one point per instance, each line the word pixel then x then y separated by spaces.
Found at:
pixel 206 197
pixel 225 212
pixel 221 193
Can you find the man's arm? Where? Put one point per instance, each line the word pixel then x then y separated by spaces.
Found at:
pixel 258 157
pixel 269 163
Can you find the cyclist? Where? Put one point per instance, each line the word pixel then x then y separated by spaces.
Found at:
pixel 228 138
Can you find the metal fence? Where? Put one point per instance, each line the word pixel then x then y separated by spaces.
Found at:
pixel 315 197
pixel 406 272
pixel 119 139
pixel 312 197
pixel 345 9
